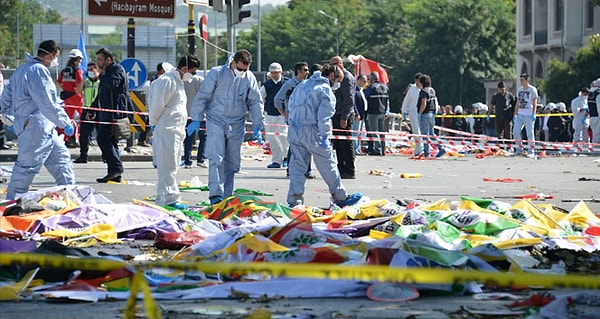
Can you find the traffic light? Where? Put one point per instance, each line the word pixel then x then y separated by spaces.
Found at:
pixel 217 5
pixel 239 14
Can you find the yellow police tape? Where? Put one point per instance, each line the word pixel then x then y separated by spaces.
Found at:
pixel 372 273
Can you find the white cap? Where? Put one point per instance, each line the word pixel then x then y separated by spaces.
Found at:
pixel 596 83
pixel 550 106
pixel 75 53
pixel 458 109
pixel 275 67
pixel 480 106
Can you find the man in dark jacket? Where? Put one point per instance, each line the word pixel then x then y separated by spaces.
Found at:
pixel 113 95
pixel 378 101
pixel 343 119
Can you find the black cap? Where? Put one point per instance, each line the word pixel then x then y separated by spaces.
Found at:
pixel 501 84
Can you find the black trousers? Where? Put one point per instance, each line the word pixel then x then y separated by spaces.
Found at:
pixel 343 148
pixel 85 131
pixel 110 149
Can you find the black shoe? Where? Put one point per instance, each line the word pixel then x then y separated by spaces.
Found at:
pixel 348 176
pixel 109 178
pixel 375 154
pixel 80 160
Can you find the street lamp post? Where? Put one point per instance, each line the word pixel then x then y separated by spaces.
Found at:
pixel 337 33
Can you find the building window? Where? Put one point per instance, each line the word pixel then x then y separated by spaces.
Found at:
pixel 589 19
pixel 527 17
pixel 539 71
pixel 523 68
pixel 559 15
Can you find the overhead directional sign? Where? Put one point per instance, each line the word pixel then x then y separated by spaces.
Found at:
pixel 196 2
pixel 136 72
pixel 164 9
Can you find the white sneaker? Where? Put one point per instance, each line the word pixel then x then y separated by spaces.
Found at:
pixel 202 164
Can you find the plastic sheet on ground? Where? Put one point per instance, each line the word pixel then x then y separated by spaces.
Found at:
pixel 473 234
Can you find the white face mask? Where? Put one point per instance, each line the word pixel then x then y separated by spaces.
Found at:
pixel 187 77
pixel 335 86
pixel 239 73
pixel 91 74
pixel 54 62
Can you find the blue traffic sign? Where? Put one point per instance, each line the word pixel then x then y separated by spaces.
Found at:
pixel 136 72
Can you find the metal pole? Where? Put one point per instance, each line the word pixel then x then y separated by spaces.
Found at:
pixel 337 32
pixel 131 38
pixel 18 55
pixel 337 38
pixel 230 28
pixel 191 31
pixel 216 41
pixel 259 44
pixel 205 57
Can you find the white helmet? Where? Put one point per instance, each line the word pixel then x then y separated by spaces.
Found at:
pixel 75 53
pixel 458 109
pixel 561 107
pixel 550 106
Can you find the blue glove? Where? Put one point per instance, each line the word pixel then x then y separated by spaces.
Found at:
pixel 533 117
pixel 10 128
pixel 405 115
pixel 152 127
pixel 192 127
pixel 69 130
pixel 488 118
pixel 256 134
pixel 324 142
pixel 583 121
pixel 514 118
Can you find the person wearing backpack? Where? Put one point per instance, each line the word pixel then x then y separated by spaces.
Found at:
pixel 378 105
pixel 427 105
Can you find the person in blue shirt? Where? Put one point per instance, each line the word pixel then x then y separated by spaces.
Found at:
pixel 227 93
pixel 311 107
pixel 32 109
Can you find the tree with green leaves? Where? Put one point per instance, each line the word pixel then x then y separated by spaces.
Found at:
pixel 21 15
pixel 458 43
pixel 564 80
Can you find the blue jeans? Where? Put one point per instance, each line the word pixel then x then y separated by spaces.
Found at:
pixel 518 123
pixel 426 123
pixel 357 126
pixel 188 143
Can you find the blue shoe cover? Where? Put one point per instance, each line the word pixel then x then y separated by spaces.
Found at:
pixel 216 200
pixel 441 152
pixel 179 205
pixel 350 200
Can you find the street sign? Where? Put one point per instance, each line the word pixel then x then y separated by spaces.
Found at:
pixel 164 9
pixel 136 72
pixel 204 27
pixel 196 2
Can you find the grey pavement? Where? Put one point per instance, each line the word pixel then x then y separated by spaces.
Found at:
pixel 447 177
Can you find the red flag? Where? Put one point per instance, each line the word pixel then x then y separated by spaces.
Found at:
pixel 365 66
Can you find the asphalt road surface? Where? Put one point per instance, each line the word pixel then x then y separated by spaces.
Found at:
pixel 447 177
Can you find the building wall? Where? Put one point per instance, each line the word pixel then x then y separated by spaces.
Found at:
pixel 550 38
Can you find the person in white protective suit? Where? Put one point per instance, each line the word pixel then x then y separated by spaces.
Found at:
pixel 227 93
pixel 310 107
pixel 32 110
pixel 411 110
pixel 168 115
pixel 581 122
